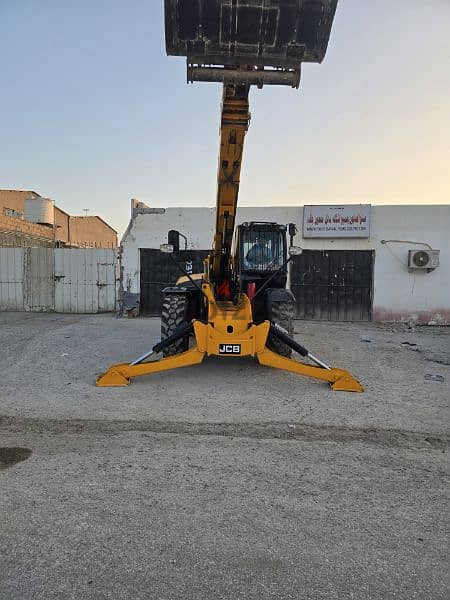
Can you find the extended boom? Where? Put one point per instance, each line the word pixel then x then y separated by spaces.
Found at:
pixel 240 305
pixel 234 124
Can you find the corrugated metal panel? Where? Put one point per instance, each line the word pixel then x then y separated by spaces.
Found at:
pixel 333 285
pixel 11 279
pixel 84 280
pixel 39 282
pixel 106 280
pixel 74 285
pixel 63 279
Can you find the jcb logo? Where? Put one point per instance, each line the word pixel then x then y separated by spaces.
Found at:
pixel 229 349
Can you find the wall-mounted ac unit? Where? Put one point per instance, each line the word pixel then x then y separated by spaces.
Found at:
pixel 423 259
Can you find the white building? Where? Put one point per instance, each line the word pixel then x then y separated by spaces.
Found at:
pixel 340 278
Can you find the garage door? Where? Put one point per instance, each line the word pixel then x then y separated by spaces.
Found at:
pixel 158 270
pixel 333 285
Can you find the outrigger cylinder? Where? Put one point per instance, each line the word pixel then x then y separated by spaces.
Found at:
pixel 276 331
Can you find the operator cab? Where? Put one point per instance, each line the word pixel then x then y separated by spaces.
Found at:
pixel 260 252
pixel 262 248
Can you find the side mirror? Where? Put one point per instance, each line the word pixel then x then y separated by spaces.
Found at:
pixel 292 229
pixel 173 239
pixel 167 248
pixel 295 251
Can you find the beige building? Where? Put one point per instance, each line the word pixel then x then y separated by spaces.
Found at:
pixel 91 230
pixel 66 230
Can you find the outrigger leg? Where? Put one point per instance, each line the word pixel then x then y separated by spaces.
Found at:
pixel 339 379
pixel 121 374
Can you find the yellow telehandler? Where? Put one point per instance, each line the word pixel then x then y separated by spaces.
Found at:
pixel 239 305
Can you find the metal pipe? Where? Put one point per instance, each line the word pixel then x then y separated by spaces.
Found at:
pixel 258 77
pixel 281 334
pixel 407 242
pixel 317 361
pixel 184 329
pixel 142 358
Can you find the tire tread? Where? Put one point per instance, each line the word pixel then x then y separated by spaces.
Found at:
pixel 283 315
pixel 173 313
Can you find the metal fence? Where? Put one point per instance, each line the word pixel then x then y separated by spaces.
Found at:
pixel 58 279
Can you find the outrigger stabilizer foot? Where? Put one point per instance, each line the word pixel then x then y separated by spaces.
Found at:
pixel 253 343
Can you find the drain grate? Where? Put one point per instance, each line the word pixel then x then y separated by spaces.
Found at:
pixel 11 456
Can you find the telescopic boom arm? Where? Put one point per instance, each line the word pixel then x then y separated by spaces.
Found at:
pixel 234 124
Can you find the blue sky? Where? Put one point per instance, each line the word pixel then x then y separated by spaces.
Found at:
pixel 93 113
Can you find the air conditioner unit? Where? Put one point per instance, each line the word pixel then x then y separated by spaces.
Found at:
pixel 423 259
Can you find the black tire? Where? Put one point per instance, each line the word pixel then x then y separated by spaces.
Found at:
pixel 173 312
pixel 283 315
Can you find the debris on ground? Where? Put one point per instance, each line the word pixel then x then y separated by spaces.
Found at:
pixel 431 377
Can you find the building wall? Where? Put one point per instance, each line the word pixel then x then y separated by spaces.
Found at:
pixel 399 295
pixel 14 199
pixel 62 225
pixel 15 232
pixel 91 231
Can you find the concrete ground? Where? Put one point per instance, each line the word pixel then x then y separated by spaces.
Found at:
pixel 227 480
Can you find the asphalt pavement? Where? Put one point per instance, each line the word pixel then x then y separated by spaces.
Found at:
pixel 227 480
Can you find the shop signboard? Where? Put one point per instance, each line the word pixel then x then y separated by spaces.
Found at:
pixel 341 221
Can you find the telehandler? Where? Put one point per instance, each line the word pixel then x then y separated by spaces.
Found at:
pixel 239 305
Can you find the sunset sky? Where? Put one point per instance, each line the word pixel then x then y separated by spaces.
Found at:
pixel 93 113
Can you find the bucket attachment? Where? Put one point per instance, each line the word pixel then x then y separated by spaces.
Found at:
pixel 267 38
